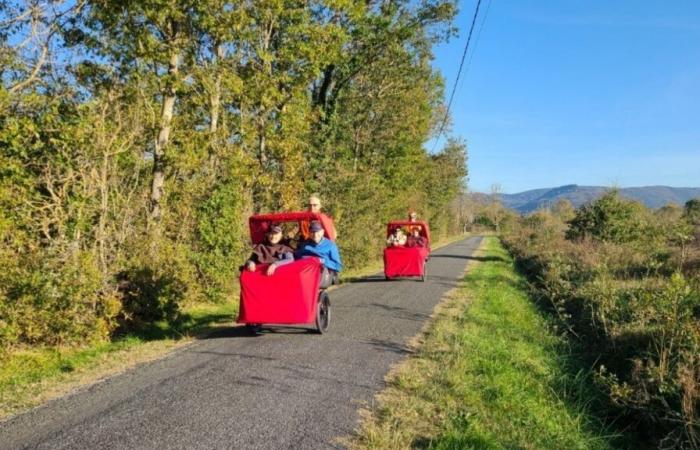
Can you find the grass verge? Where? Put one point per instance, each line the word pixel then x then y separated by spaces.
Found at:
pixel 31 377
pixel 490 372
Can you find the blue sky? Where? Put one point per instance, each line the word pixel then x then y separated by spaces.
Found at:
pixel 572 91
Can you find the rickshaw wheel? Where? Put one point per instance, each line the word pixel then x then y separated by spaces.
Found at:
pixel 323 313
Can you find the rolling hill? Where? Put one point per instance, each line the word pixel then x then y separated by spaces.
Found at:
pixel 651 196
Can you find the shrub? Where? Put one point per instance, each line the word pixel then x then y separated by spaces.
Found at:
pixel 633 308
pixel 610 218
pixel 148 296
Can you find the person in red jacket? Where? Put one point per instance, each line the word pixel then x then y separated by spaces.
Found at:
pixel 314 206
pixel 413 217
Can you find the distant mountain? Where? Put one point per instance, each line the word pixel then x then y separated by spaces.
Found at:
pixel 651 196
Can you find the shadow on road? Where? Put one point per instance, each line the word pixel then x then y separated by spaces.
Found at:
pixel 369 279
pixel 388 346
pixel 234 354
pixel 240 331
pixel 402 313
pixel 471 258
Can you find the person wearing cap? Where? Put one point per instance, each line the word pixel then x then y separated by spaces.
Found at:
pixel 321 247
pixel 270 252
pixel 314 206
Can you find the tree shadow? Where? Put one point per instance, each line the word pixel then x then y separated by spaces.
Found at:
pixel 400 312
pixel 185 325
pixel 471 258
pixel 387 346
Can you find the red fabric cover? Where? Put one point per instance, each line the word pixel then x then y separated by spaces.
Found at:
pixel 404 261
pixel 424 228
pixel 260 223
pixel 288 296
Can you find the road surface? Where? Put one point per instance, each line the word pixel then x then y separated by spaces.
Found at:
pixel 283 389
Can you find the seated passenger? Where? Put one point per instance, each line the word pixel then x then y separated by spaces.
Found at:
pixel 415 239
pixel 397 238
pixel 270 252
pixel 321 247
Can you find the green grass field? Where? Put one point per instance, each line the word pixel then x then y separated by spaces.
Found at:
pixel 490 373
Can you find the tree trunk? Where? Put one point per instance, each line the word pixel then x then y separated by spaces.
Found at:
pixel 166 115
pixel 215 96
pixel 259 189
pixel 322 93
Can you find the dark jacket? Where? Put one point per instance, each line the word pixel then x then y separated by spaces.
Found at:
pixel 266 253
pixel 413 241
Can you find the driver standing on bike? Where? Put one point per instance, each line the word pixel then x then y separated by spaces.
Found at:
pixel 413 217
pixel 315 206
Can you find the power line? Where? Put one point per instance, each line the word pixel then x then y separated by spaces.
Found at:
pixel 468 65
pixel 459 72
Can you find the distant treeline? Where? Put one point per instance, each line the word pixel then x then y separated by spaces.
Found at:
pixel 625 282
pixel 136 137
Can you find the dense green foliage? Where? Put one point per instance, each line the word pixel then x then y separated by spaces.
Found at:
pixel 625 281
pixel 609 218
pixel 133 149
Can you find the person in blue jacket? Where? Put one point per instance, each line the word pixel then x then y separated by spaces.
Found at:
pixel 321 247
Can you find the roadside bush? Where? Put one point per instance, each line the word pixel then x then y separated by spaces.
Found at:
pixel 610 218
pixel 125 188
pixel 622 294
pixel 148 296
pixel 57 305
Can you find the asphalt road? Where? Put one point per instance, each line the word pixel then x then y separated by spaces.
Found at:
pixel 283 389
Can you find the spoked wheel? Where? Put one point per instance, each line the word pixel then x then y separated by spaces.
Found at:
pixel 323 313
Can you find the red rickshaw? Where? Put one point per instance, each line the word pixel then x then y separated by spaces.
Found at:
pixel 404 261
pixel 293 294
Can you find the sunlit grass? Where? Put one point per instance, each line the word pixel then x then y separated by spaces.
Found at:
pixel 30 377
pixel 491 373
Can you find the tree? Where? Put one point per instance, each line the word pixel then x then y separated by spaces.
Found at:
pixel 564 210
pixel 610 218
pixel 691 211
pixel 131 159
